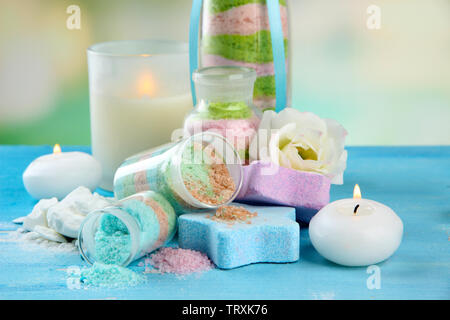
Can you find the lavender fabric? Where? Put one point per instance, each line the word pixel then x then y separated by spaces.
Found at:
pixel 268 183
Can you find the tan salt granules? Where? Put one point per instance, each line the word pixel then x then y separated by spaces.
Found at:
pixel 221 182
pixel 222 185
pixel 233 214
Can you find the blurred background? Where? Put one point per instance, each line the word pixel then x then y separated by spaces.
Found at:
pixel 387 86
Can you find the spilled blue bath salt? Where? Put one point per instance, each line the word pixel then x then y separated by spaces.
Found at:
pixel 109 276
pixel 112 248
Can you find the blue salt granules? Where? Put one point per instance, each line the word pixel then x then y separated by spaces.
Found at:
pixel 110 276
pixel 112 241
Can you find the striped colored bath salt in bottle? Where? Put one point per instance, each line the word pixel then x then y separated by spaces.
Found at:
pixel 128 230
pixel 200 172
pixel 237 33
pixel 225 105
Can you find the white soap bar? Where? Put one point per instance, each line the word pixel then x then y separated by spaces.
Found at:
pixel 57 174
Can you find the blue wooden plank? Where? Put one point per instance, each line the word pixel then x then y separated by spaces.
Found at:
pixel 414 181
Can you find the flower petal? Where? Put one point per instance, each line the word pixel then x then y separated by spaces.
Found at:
pixel 339 169
pixel 260 141
pixel 295 134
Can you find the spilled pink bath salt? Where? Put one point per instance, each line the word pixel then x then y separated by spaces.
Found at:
pixel 179 261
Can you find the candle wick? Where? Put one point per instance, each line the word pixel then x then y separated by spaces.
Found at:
pixel 356 209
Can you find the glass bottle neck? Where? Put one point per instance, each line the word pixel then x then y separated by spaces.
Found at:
pixel 224 84
pixel 207 94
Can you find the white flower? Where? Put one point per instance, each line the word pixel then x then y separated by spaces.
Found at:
pixel 301 141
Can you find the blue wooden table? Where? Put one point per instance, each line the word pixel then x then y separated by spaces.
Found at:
pixel 414 181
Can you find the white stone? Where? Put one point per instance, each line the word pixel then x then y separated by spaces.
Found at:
pixel 67 216
pixel 95 202
pixel 38 217
pixel 19 220
pixel 31 236
pixel 65 220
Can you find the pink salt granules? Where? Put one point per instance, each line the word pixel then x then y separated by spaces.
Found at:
pixel 244 20
pixel 179 261
pixel 239 131
pixel 264 102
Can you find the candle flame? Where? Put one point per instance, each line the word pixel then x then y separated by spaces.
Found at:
pixel 146 85
pixel 57 148
pixel 356 192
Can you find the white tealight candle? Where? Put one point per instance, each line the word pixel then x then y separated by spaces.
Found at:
pixel 356 232
pixel 57 174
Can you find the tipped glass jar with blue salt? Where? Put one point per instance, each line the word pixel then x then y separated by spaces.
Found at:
pixel 128 230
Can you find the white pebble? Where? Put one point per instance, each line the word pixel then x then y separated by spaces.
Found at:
pixel 19 220
pixel 21 230
pixel 38 217
pixel 31 236
pixel 67 216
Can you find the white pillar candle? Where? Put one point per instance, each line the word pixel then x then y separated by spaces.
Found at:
pixel 139 94
pixel 59 173
pixel 122 127
pixel 356 232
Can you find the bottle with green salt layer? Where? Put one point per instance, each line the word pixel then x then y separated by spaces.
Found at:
pixel 225 106
pixel 238 33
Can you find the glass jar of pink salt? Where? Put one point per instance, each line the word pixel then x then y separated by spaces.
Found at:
pixel 202 171
pixel 225 105
pixel 124 232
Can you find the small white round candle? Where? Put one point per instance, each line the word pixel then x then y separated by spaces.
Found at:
pixel 356 232
pixel 57 174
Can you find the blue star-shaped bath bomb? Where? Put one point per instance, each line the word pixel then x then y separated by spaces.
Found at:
pixel 272 236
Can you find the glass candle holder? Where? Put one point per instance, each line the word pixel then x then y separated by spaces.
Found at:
pixel 139 94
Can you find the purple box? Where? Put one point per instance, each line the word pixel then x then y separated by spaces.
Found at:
pixel 268 183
